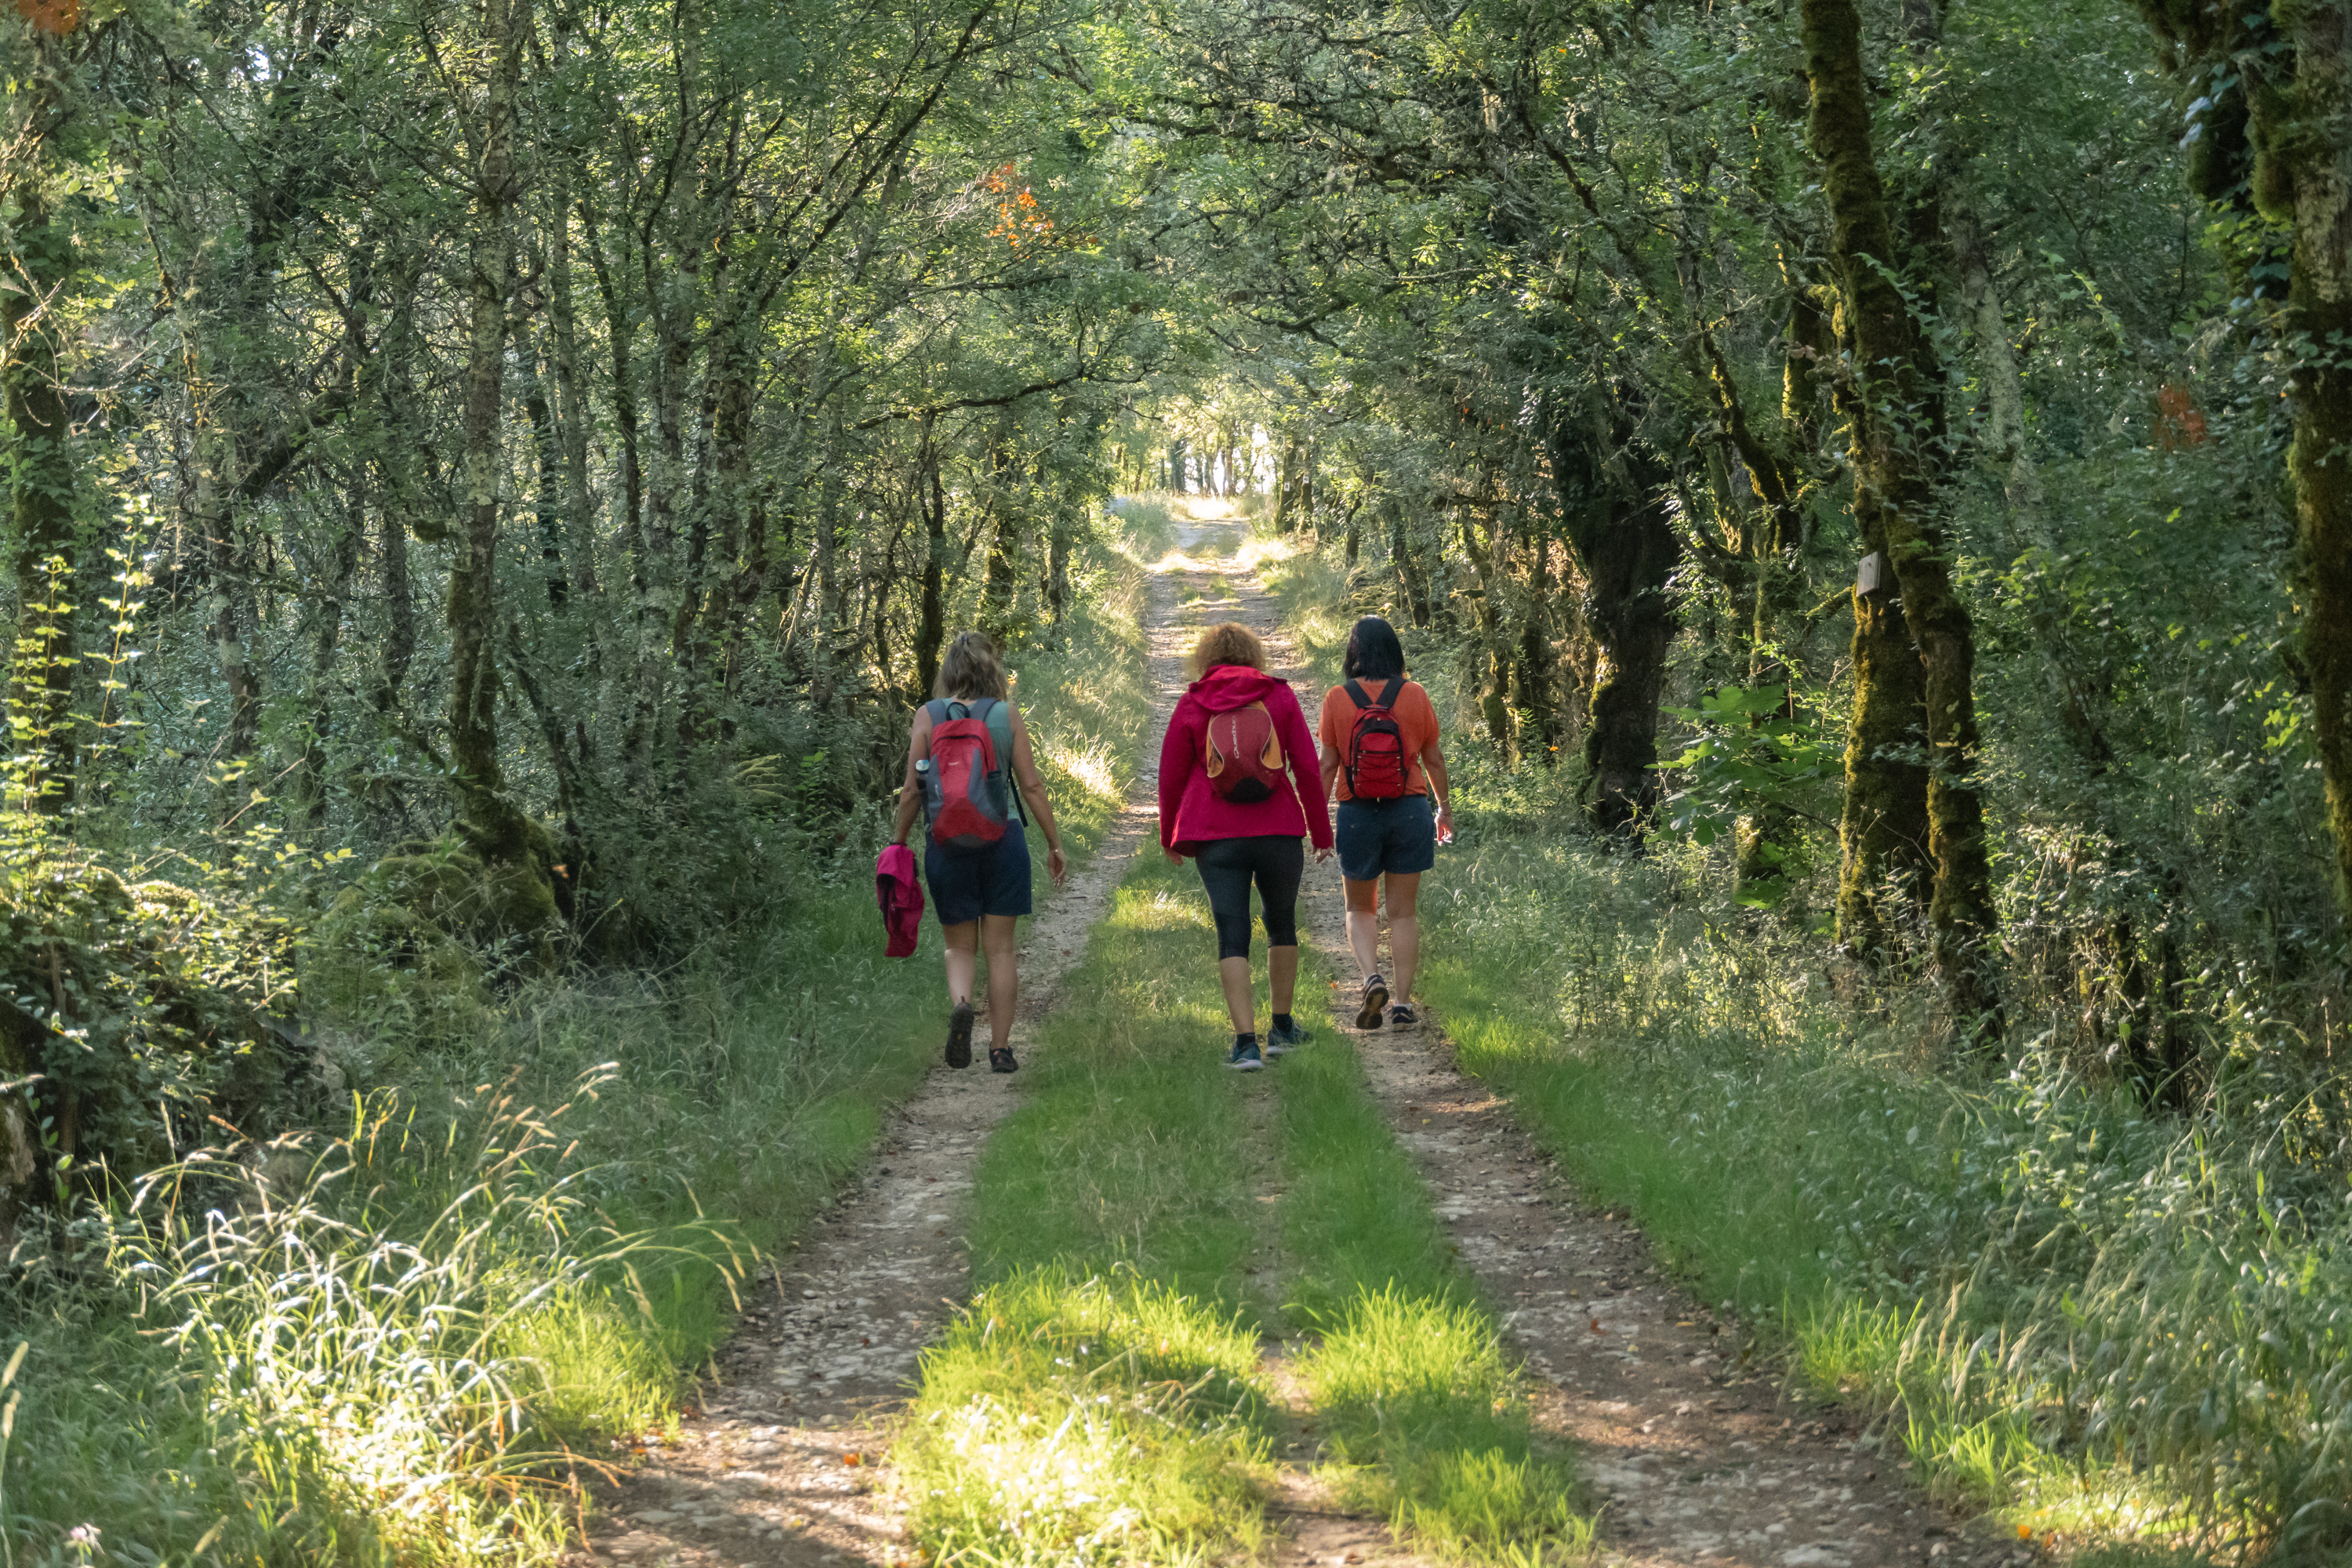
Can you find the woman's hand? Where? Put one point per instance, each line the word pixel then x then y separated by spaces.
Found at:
pixel 1322 853
pixel 1173 858
pixel 1446 825
pixel 1057 866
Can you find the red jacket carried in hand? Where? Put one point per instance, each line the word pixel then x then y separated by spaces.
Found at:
pixel 901 898
pixel 1191 813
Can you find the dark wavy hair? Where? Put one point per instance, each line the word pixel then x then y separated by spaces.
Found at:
pixel 1373 651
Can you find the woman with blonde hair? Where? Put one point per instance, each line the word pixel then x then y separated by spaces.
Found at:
pixel 1238 788
pixel 977 873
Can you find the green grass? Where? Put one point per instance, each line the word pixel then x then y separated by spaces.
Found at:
pixel 521 1239
pixel 1127 1181
pixel 1076 1417
pixel 2089 1321
pixel 1114 1209
pixel 1425 1419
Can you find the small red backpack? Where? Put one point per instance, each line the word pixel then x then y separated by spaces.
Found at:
pixel 1377 764
pixel 1243 758
pixel 965 796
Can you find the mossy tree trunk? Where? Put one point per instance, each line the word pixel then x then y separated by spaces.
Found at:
pixel 2273 127
pixel 506 840
pixel 1898 424
pixel 41 264
pixel 930 633
pixel 42 481
pixel 1613 511
pixel 2320 313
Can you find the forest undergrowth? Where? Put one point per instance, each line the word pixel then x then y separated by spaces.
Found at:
pixel 403 1335
pixel 2121 1331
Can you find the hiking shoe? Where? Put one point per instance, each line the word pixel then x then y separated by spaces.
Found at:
pixel 1376 998
pixel 1282 1042
pixel 1244 1059
pixel 1403 1016
pixel 960 1036
pixel 1000 1059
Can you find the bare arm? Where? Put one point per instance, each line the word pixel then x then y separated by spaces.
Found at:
pixel 911 792
pixel 1033 790
pixel 1433 764
pixel 1330 772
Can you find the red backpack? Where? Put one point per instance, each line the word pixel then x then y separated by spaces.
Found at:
pixel 1244 756
pixel 965 795
pixel 1377 762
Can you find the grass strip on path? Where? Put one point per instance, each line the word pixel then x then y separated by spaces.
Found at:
pixel 1425 1417
pixel 1098 1401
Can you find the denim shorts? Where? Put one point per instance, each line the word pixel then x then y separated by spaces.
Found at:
pixel 994 881
pixel 1376 837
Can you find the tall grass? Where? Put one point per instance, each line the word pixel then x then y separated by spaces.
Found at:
pixel 2098 1320
pixel 391 1339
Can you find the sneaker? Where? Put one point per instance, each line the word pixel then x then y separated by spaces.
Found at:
pixel 1244 1059
pixel 1376 998
pixel 960 1036
pixel 1403 1016
pixel 1282 1042
pixel 1000 1059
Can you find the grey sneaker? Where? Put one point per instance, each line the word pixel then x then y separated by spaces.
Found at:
pixel 960 1036
pixel 1244 1059
pixel 1403 1016
pixel 1282 1042
pixel 1376 999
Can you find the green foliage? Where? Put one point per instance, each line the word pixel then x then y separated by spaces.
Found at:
pixel 1753 761
pixel 2073 1308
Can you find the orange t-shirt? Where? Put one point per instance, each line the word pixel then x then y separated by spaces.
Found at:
pixel 1416 716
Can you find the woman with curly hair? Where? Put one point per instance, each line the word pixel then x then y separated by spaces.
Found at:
pixel 1238 788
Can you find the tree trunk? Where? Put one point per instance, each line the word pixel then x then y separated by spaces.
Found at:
pixel 1613 511
pixel 326 639
pixel 42 478
pixel 1494 682
pixel 1898 424
pixel 2319 303
pixel 1883 829
pixel 498 829
pixel 930 635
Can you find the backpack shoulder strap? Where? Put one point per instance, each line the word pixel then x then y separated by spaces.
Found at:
pixel 998 717
pixel 1395 689
pixel 1355 694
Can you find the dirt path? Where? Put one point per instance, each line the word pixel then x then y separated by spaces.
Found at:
pixel 784 1465
pixel 1694 1459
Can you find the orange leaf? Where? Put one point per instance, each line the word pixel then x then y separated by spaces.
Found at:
pixel 54 16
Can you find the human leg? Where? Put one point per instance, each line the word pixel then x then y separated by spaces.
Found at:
pixel 1403 892
pixel 1226 867
pixel 964 947
pixel 1282 865
pixel 963 963
pixel 1363 901
pixel 997 934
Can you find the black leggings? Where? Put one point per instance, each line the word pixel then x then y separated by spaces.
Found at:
pixel 1227 865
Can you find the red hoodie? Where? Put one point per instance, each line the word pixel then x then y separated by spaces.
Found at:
pixel 1190 813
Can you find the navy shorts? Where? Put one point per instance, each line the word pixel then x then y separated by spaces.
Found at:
pixel 1378 836
pixel 996 881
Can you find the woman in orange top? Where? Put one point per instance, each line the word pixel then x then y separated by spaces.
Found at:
pixel 1381 773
